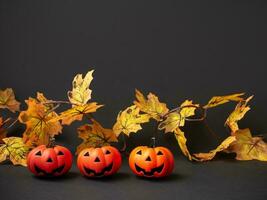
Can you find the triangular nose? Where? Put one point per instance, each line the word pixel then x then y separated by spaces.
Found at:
pixel 148 158
pixel 97 159
pixel 49 160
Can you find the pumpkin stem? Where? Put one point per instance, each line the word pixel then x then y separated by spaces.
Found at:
pixel 123 149
pixel 154 137
pixel 52 142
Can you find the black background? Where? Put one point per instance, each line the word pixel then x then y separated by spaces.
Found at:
pixel 176 49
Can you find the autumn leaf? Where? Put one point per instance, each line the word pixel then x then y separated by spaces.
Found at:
pixel 129 120
pixel 152 106
pixel 81 93
pixel 218 100
pixel 177 119
pixel 94 135
pixel 239 112
pixel 14 150
pixel 76 113
pixel 40 123
pixel 247 147
pixel 7 100
pixel 222 147
pixel 181 139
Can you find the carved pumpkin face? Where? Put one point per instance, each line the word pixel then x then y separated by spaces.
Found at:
pixel 151 162
pixel 54 161
pixel 98 162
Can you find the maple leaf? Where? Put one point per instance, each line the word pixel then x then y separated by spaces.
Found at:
pixel 40 123
pixel 77 113
pixel 222 147
pixel 81 93
pixel 177 119
pixel 152 106
pixel 14 150
pixel 181 139
pixel 129 120
pixel 239 112
pixel 94 135
pixel 7 100
pixel 247 147
pixel 218 100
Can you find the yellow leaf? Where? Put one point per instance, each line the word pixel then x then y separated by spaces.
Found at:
pixel 247 147
pixel 95 136
pixel 7 100
pixel 177 119
pixel 240 110
pixel 40 123
pixel 129 120
pixel 77 113
pixel 218 100
pixel 81 93
pixel 15 150
pixel 222 147
pixel 181 139
pixel 152 106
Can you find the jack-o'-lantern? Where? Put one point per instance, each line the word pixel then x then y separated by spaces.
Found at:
pixel 49 161
pixel 99 162
pixel 151 162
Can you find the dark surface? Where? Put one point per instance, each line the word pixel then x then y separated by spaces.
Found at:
pixel 176 49
pixel 214 180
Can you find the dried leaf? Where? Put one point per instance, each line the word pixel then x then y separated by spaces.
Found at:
pixel 240 110
pixel 76 113
pixel 129 120
pixel 81 93
pixel 15 150
pixel 7 100
pixel 247 147
pixel 218 100
pixel 222 147
pixel 181 139
pixel 177 119
pixel 95 136
pixel 40 123
pixel 152 106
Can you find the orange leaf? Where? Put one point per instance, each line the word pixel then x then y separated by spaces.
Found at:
pixel 40 123
pixel 76 113
pixel 95 136
pixel 7 100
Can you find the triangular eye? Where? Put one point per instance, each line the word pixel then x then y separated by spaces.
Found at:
pixel 159 153
pixel 139 152
pixel 107 152
pixel 39 153
pixel 86 154
pixel 60 153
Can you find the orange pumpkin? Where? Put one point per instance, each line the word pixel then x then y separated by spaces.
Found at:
pixel 49 161
pixel 98 162
pixel 151 162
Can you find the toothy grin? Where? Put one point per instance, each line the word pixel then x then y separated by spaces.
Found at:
pixel 151 173
pixel 91 171
pixel 58 170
